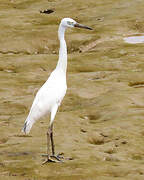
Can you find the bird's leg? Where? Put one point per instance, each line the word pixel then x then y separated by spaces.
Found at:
pixel 51 158
pixel 56 157
pixel 52 141
pixel 48 145
pixel 53 113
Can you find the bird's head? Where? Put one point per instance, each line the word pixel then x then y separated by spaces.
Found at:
pixel 68 22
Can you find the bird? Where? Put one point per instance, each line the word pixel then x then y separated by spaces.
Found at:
pixel 52 92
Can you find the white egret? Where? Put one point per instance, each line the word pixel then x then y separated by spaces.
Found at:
pixel 50 95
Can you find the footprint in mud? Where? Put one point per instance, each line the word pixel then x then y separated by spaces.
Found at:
pixel 3 140
pixel 91 117
pixel 47 11
pixel 96 139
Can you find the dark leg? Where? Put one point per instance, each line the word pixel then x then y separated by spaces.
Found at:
pixel 55 157
pixel 52 141
pixel 48 145
pixel 59 157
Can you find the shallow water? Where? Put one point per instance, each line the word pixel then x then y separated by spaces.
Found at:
pixel 134 39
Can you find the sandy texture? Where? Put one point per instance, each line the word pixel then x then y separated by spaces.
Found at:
pixel 100 123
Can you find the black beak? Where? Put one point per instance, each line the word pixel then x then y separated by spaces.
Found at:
pixel 82 26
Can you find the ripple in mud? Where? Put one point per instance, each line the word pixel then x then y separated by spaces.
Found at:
pixel 12 108
pixel 15 154
pixel 136 84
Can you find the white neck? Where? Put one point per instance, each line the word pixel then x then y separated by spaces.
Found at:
pixel 62 61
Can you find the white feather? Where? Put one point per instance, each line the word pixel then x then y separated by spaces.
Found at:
pixel 50 94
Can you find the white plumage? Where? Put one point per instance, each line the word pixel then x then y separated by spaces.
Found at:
pixel 47 99
pixel 50 95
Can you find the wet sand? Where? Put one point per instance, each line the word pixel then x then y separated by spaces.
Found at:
pixel 100 123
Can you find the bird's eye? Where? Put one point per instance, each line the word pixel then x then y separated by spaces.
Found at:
pixel 69 23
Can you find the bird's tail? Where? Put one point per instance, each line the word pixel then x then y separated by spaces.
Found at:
pixel 27 126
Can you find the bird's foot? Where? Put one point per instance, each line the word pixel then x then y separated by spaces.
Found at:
pixel 60 156
pixel 52 158
pixel 56 158
pixel 49 160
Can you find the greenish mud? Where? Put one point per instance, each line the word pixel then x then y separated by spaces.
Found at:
pixel 100 123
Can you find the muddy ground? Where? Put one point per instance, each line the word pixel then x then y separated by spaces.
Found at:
pixel 100 123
